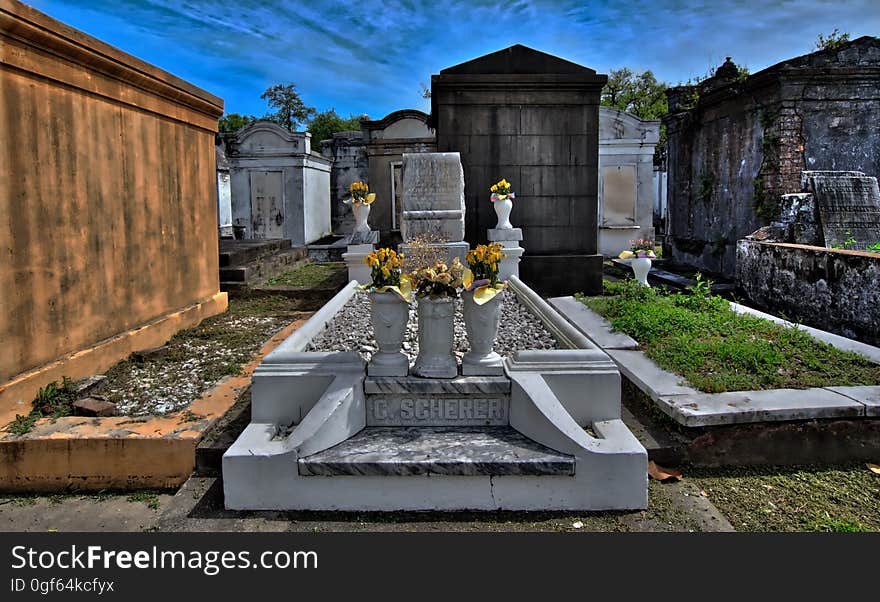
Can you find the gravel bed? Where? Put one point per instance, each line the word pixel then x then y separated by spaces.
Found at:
pixel 351 330
pixel 192 362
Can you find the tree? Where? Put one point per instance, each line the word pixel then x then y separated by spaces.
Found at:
pixel 833 41
pixel 233 122
pixel 640 94
pixel 291 110
pixel 324 124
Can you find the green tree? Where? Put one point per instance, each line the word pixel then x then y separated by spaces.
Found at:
pixel 324 124
pixel 233 122
pixel 637 93
pixel 291 110
pixel 833 41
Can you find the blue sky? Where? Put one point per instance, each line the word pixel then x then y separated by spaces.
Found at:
pixel 370 56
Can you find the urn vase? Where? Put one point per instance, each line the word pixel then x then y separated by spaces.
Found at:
pixel 361 213
pixel 389 315
pixel 640 267
pixel 436 338
pixel 481 323
pixel 502 210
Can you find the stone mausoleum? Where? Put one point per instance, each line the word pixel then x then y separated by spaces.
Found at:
pixel 533 119
pixel 279 188
pixel 737 143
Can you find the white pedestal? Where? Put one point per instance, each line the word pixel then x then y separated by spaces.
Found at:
pixel 360 245
pixel 509 239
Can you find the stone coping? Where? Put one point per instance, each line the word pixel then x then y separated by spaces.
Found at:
pixel 462 385
pixel 692 408
pixel 120 452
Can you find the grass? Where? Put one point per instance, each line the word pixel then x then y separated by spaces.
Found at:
pixel 700 338
pixel 151 500
pixel 841 499
pixel 310 275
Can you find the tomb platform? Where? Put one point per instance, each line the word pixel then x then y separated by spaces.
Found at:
pixel 545 435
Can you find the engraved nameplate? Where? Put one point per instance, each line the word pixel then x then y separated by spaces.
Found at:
pixel 445 411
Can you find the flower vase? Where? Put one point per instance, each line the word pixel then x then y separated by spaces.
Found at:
pixel 361 213
pixel 481 323
pixel 436 337
pixel 503 207
pixel 640 267
pixel 389 315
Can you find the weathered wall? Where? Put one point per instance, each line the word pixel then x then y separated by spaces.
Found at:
pixel 835 290
pixel 108 202
pixel 736 144
pixel 350 164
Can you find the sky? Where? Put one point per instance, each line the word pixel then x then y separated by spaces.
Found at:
pixel 372 56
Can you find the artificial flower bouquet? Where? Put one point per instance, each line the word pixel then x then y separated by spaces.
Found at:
pixel 387 274
pixel 360 194
pixel 639 249
pixel 482 273
pixel 501 191
pixel 438 280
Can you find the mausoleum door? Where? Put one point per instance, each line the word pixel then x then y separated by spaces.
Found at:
pixel 267 207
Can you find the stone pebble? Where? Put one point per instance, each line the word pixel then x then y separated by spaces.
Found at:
pixel 351 329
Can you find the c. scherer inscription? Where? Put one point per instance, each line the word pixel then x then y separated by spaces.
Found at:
pixel 466 411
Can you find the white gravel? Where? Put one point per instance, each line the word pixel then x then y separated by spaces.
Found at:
pixel 351 330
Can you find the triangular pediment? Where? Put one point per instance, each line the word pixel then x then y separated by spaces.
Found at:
pixel 517 60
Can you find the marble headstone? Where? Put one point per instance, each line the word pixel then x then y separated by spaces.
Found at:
pixel 433 196
pixel 848 204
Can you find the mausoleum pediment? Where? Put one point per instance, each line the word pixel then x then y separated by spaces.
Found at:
pixel 518 60
pixel 265 137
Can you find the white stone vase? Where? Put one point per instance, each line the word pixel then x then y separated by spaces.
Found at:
pixel 436 337
pixel 361 213
pixel 389 315
pixel 640 267
pixel 481 323
pixel 502 210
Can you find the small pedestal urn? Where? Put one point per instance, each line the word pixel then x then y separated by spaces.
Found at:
pixel 481 323
pixel 361 213
pixel 502 210
pixel 390 314
pixel 640 267
pixel 436 336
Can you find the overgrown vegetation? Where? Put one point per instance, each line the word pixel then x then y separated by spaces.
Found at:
pixel 311 275
pixel 832 41
pixel 699 337
pixel 54 400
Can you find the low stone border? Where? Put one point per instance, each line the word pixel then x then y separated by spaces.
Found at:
pixel 692 408
pixel 120 452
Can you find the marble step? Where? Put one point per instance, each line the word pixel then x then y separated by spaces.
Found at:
pixel 475 451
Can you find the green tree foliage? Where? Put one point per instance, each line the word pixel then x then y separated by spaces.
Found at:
pixel 832 41
pixel 325 123
pixel 290 109
pixel 637 93
pixel 233 122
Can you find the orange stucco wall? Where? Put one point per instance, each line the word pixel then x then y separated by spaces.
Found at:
pixel 108 218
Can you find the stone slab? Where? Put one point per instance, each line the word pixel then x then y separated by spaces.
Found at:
pixel 413 385
pixel 848 205
pixel 495 451
pixel 594 326
pixel 383 410
pixel 741 407
pixel 504 234
pixel 869 396
pixel 650 378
